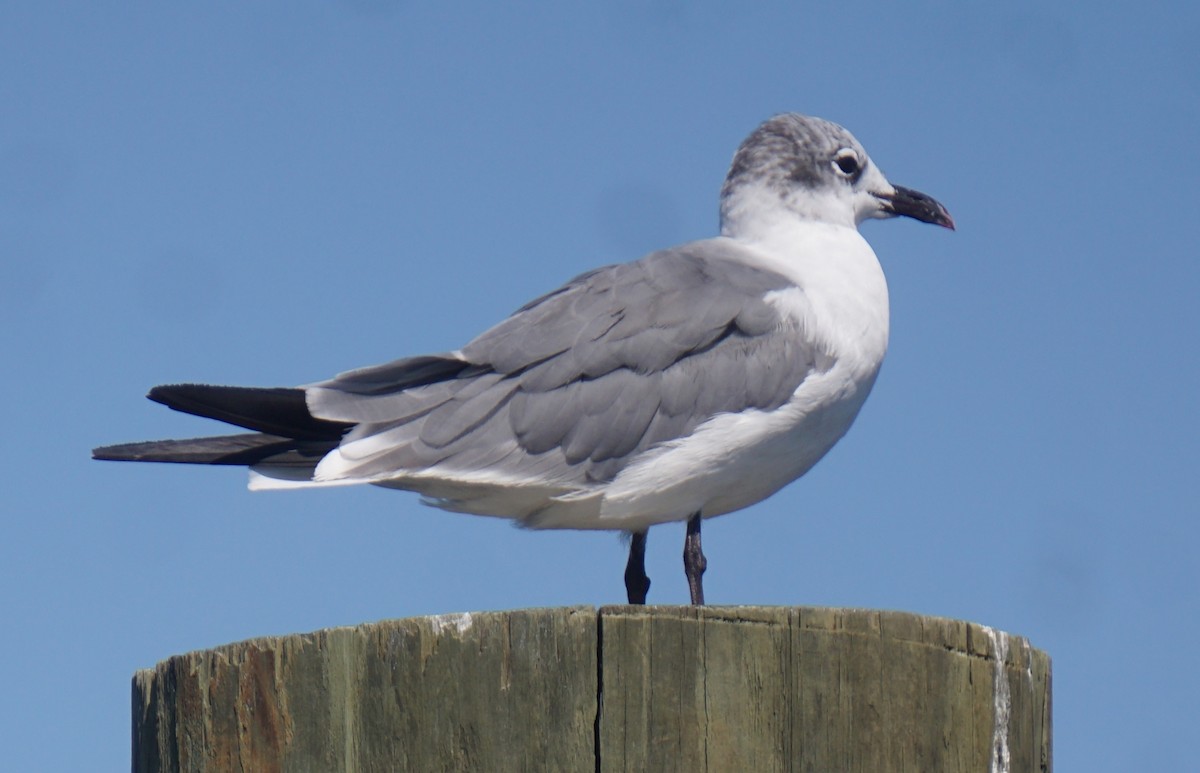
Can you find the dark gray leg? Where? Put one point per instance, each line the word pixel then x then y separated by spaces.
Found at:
pixel 637 584
pixel 694 562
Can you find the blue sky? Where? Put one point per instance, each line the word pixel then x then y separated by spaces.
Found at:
pixel 271 193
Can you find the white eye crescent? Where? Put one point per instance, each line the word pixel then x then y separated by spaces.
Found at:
pixel 846 162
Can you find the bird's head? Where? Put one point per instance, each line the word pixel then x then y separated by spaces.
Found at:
pixel 795 165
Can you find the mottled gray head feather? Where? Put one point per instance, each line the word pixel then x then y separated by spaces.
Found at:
pixel 790 150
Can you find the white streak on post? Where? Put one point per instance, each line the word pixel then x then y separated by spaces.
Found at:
pixel 1002 701
pixel 461 623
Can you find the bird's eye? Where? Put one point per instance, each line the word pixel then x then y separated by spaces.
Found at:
pixel 846 161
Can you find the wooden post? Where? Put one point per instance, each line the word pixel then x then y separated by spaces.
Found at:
pixel 619 689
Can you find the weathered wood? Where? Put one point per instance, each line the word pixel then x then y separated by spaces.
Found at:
pixel 802 689
pixel 489 691
pixel 621 689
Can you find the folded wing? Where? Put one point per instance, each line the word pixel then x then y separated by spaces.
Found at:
pixel 565 393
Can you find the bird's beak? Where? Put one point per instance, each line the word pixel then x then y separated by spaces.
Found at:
pixel 914 204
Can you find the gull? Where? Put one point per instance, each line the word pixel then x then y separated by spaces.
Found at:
pixel 688 384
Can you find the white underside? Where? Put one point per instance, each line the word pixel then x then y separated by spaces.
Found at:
pixel 728 463
pixel 733 460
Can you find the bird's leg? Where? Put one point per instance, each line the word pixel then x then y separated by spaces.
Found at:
pixel 637 584
pixel 694 562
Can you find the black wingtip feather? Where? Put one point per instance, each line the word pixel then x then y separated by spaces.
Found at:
pixel 242 450
pixel 279 411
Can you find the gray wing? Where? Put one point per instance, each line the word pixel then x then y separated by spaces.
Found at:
pixel 575 384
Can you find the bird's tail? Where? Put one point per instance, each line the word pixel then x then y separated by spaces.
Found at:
pixel 285 433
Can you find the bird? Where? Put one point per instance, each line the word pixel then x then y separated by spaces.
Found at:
pixel 691 383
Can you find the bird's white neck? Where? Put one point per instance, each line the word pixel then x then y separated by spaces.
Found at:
pixel 845 304
pixel 752 209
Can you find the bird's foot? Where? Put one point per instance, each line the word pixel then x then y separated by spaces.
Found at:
pixel 694 562
pixel 637 584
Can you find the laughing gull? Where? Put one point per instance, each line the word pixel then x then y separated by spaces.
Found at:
pixel 688 384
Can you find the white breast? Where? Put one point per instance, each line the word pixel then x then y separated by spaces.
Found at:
pixel 840 295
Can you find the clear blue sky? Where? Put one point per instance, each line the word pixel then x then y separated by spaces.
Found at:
pixel 270 193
